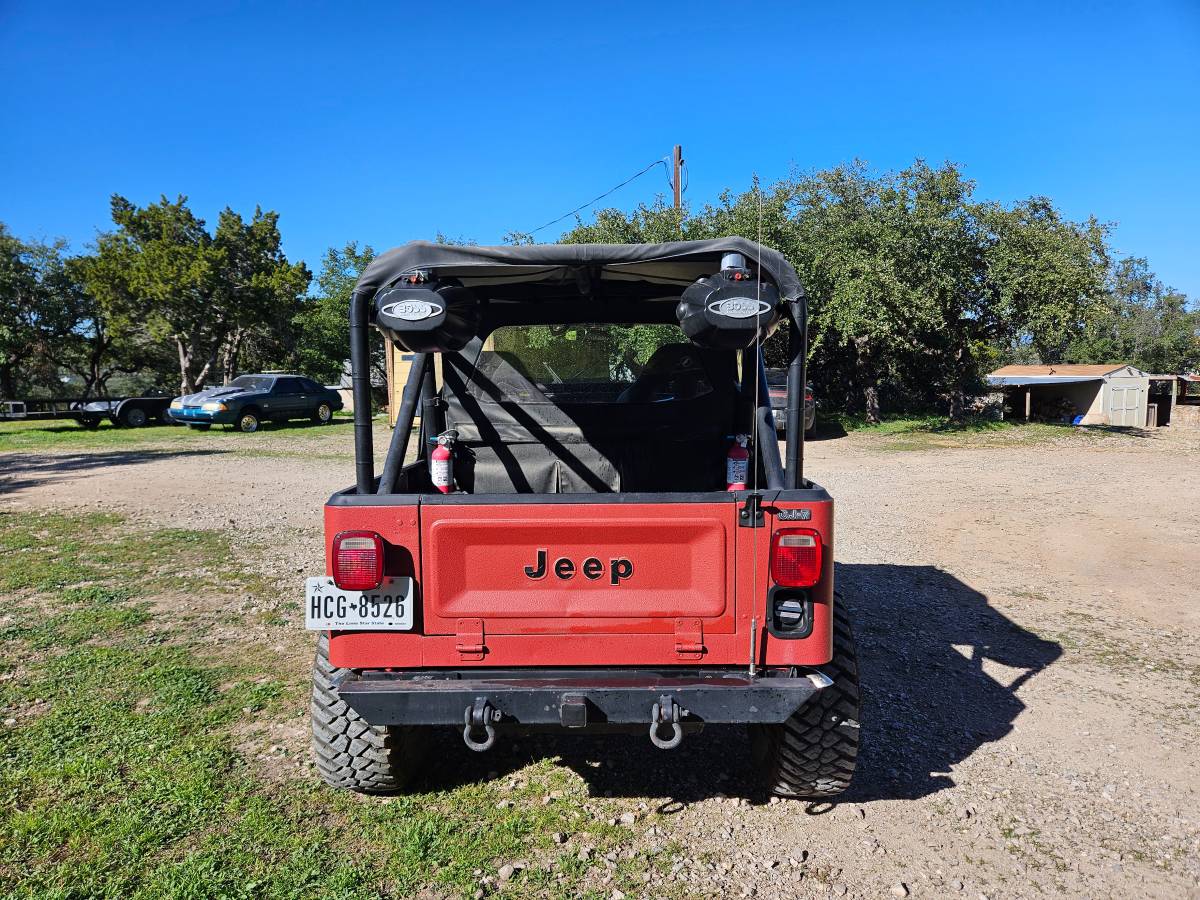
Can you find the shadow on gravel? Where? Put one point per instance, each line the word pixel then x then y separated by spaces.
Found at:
pixel 926 705
pixel 18 472
pixel 922 637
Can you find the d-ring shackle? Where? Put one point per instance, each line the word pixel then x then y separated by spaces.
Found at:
pixel 480 715
pixel 666 712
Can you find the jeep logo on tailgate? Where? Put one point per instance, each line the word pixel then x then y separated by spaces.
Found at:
pixel 619 568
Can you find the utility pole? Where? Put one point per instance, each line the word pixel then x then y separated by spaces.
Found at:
pixel 676 179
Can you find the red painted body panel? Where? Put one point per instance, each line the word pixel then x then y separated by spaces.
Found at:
pixel 679 558
pixel 694 572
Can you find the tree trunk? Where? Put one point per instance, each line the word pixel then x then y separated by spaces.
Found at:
pixel 871 398
pixel 957 405
pixel 186 384
pixel 868 380
pixel 230 355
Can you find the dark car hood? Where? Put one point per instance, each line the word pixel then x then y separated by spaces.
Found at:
pixel 229 392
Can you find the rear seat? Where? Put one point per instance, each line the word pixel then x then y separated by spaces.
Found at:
pixel 512 438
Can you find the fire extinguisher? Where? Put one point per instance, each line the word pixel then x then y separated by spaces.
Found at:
pixel 441 463
pixel 737 463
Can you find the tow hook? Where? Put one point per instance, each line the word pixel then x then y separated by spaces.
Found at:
pixel 480 715
pixel 666 712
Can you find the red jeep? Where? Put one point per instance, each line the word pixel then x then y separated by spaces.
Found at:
pixel 597 531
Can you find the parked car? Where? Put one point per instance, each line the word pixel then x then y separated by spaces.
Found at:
pixel 250 400
pixel 132 412
pixel 777 383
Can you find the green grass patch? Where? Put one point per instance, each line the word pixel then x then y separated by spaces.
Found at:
pixel 119 769
pixel 924 432
pixel 65 435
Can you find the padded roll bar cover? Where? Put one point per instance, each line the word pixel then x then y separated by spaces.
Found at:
pixel 429 317
pixel 722 314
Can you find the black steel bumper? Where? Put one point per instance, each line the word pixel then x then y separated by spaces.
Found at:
pixel 577 699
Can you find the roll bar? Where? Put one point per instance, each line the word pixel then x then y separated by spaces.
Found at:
pixel 360 385
pixel 360 381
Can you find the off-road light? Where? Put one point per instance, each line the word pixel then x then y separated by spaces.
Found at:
pixel 358 560
pixel 796 557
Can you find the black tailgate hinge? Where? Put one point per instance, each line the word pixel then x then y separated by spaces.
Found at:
pixel 751 513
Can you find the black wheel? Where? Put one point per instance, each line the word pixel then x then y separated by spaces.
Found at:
pixel 350 753
pixel 813 753
pixel 136 417
pixel 248 421
pixel 323 415
pixel 199 427
pixel 91 423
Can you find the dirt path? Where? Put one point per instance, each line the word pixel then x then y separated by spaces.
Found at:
pixel 1029 626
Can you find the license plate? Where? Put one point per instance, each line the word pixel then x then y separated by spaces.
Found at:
pixel 387 608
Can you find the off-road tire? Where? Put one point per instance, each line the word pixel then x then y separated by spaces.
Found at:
pixel 351 754
pixel 813 753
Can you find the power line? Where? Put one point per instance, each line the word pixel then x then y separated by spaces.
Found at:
pixel 658 162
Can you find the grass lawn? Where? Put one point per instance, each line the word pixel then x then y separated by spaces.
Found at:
pixel 909 432
pixel 125 698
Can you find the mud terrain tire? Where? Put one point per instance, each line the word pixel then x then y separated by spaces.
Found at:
pixel 813 753
pixel 351 754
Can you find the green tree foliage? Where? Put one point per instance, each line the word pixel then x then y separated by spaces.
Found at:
pixel 323 321
pixel 916 289
pixel 39 312
pixel 1142 321
pixel 208 295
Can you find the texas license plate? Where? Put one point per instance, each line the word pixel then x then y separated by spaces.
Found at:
pixel 387 608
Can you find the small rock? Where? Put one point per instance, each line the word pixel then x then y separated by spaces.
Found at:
pixel 899 889
pixel 839 890
pixel 558 837
pixel 10 721
pixel 860 812
pixel 617 895
pixel 506 872
pixel 628 818
pixel 504 804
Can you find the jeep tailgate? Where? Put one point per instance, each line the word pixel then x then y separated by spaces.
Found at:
pixel 562 568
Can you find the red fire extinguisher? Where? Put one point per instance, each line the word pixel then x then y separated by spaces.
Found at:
pixel 441 463
pixel 737 463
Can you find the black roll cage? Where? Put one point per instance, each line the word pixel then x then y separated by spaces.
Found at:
pixel 419 387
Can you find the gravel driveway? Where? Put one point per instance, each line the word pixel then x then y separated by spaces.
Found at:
pixel 1028 619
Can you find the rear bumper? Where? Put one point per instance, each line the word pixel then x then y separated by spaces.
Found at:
pixel 575 698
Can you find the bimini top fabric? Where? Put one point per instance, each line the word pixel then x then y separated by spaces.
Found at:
pixel 675 262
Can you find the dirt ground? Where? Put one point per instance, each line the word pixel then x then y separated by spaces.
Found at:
pixel 1028 619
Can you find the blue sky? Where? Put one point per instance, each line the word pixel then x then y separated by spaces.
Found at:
pixel 368 122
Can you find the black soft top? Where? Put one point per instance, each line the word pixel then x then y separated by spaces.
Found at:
pixel 677 262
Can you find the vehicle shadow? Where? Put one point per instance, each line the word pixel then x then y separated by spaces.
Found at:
pixel 928 704
pixel 20 472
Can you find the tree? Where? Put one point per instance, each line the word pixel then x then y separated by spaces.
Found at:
pixel 323 322
pixel 38 312
pixel 206 294
pixel 1141 321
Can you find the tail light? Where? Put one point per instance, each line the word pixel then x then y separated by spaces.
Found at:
pixel 358 560
pixel 796 557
